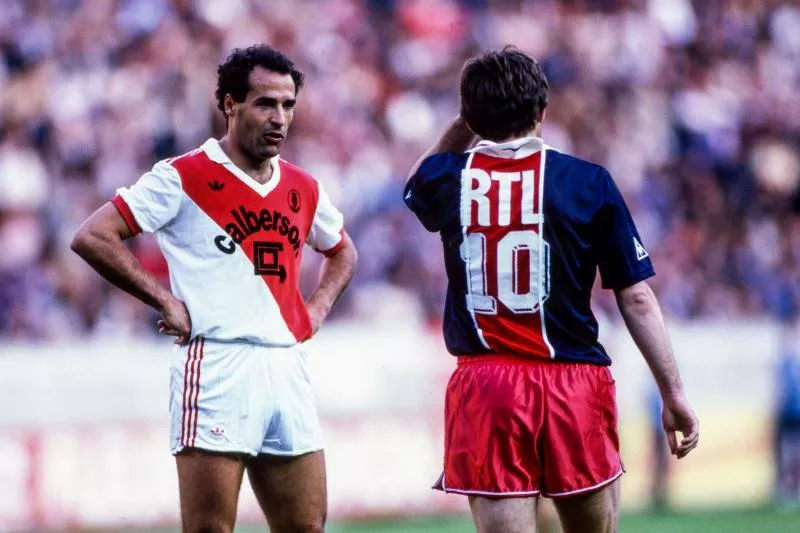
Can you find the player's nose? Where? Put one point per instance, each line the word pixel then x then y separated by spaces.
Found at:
pixel 278 118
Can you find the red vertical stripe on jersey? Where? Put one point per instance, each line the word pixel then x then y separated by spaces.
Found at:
pixel 226 199
pixel 507 331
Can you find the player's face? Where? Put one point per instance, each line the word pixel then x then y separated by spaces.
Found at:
pixel 262 121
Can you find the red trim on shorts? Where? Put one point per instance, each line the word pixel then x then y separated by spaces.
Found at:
pixel 126 214
pixel 189 356
pixel 602 484
pixel 329 252
pixel 197 389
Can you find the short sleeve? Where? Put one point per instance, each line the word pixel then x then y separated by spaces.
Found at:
pixel 151 202
pixel 432 193
pixel 621 255
pixel 327 229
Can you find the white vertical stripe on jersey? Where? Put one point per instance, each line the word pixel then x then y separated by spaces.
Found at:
pixel 466 211
pixel 542 264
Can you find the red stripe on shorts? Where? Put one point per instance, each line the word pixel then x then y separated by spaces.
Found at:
pixel 197 389
pixel 186 384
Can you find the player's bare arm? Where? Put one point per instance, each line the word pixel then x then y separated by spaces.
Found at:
pixel 99 241
pixel 642 314
pixel 456 137
pixel 335 274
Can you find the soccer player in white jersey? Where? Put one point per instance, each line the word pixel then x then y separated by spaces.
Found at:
pixel 231 218
pixel 531 408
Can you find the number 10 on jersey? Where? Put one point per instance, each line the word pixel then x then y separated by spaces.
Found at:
pixel 514 270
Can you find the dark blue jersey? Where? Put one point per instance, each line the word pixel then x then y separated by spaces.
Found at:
pixel 525 229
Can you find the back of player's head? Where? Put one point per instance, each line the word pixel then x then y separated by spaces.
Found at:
pixel 503 93
pixel 233 76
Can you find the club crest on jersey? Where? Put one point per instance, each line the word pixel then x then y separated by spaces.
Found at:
pixel 246 223
pixel 294 200
pixel 641 253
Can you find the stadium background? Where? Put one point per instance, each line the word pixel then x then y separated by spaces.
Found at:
pixel 693 106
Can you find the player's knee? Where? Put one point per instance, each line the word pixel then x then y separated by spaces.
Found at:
pixel 305 525
pixel 209 525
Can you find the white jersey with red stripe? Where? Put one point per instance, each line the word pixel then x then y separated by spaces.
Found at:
pixel 233 245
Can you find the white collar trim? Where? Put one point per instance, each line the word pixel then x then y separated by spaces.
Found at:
pixel 516 149
pixel 215 152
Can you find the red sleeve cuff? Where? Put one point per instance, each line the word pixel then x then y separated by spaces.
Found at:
pixel 126 214
pixel 330 251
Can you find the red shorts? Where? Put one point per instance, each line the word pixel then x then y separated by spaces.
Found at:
pixel 520 427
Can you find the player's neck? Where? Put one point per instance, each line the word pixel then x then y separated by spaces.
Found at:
pixel 258 169
pixel 536 131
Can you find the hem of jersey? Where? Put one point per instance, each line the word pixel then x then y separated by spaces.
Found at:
pixel 636 278
pixel 127 214
pixel 293 453
pixel 440 485
pixel 500 357
pixel 595 487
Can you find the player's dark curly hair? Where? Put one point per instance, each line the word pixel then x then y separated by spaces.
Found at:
pixel 502 93
pixel 233 76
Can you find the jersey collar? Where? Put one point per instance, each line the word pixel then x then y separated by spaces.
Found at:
pixel 516 149
pixel 215 152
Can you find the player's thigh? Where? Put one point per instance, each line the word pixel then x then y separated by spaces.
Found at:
pixel 503 515
pixel 292 491
pixel 209 486
pixel 593 512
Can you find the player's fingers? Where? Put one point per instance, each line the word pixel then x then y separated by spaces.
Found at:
pixel 688 444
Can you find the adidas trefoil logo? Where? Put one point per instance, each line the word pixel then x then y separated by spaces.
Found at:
pixel 216 185
pixel 641 253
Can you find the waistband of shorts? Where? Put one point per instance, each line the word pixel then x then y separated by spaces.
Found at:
pixel 504 358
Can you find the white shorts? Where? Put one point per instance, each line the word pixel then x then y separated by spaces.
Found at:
pixel 242 398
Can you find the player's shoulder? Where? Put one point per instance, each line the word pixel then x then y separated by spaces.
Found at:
pixel 294 172
pixel 577 168
pixel 300 179
pixel 442 163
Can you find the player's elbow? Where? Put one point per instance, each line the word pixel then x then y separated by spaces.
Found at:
pixel 80 243
pixel 86 240
pixel 638 299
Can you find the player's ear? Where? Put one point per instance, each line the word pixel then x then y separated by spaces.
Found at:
pixel 228 104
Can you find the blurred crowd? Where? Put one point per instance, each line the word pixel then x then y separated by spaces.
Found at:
pixel 694 106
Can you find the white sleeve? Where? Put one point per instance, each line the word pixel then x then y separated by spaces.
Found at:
pixel 154 199
pixel 327 228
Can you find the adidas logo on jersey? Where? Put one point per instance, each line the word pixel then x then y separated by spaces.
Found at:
pixel 216 185
pixel 641 253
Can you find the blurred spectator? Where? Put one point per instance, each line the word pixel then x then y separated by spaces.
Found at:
pixel 787 419
pixel 693 105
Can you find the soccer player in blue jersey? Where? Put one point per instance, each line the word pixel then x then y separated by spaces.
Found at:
pixel 531 408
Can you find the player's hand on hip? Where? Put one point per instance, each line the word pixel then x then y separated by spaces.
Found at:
pixel 678 416
pixel 175 321
pixel 317 315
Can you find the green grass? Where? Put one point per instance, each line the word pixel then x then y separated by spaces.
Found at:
pixel 760 520
pixel 765 520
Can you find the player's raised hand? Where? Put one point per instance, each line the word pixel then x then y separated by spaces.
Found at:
pixel 176 321
pixel 678 416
